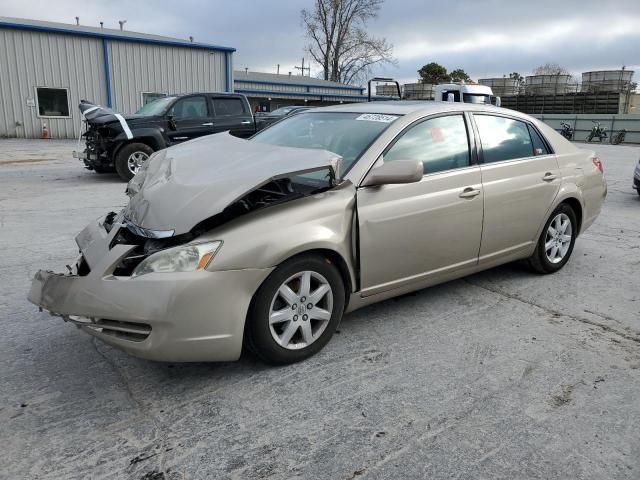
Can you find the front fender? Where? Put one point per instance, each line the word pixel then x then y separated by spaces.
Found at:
pixel 152 136
pixel 268 237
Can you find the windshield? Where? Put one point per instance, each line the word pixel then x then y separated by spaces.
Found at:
pixel 347 134
pixel 278 112
pixel 157 107
pixel 476 98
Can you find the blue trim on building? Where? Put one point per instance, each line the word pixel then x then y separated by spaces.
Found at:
pixel 109 36
pixel 307 85
pixel 107 71
pixel 299 94
pixel 227 73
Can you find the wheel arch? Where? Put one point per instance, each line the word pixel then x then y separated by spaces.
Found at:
pixel 335 258
pixel 576 206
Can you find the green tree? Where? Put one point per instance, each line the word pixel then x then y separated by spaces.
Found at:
pixel 433 73
pixel 459 75
pixel 517 77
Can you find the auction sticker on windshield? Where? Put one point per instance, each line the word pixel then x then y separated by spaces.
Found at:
pixel 377 117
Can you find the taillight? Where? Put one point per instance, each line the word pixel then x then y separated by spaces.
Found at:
pixel 596 161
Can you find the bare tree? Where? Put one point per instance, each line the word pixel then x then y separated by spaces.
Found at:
pixel 550 69
pixel 339 41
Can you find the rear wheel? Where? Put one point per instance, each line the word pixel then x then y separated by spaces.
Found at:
pixel 130 158
pixel 296 310
pixel 556 241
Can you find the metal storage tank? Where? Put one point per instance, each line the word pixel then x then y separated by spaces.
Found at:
pixel 548 84
pixel 418 91
pixel 52 66
pixel 607 81
pixel 502 87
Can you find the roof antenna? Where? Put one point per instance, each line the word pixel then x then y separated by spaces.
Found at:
pixel 77 20
pixel 122 22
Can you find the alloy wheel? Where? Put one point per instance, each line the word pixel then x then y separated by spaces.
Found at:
pixel 558 238
pixel 135 161
pixel 300 310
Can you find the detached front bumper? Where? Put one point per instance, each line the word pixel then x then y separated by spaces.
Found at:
pixel 194 316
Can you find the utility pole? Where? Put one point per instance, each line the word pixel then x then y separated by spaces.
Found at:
pixel 303 68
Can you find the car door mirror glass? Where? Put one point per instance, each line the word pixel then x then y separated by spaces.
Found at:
pixel 398 171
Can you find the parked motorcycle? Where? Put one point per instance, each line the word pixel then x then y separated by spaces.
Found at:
pixel 567 130
pixel 619 137
pixel 597 131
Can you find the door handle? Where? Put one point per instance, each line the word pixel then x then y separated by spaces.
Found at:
pixel 208 124
pixel 245 122
pixel 469 192
pixel 549 177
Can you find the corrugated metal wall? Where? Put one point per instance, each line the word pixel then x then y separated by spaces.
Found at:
pixel 29 59
pixel 137 68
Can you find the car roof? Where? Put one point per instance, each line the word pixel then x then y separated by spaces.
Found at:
pixel 403 107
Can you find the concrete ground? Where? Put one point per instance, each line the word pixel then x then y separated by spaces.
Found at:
pixel 504 374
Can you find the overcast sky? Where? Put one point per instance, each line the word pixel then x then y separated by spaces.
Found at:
pixel 485 38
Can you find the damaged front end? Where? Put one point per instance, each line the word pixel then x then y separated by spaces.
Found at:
pixel 182 193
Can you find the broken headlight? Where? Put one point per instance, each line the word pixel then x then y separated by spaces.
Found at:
pixel 186 258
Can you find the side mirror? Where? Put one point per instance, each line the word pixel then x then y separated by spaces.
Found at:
pixel 397 171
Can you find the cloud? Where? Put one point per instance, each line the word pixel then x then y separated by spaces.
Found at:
pixel 488 38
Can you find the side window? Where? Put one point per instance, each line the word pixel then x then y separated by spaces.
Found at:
pixel 226 107
pixel 52 102
pixel 503 138
pixel 440 143
pixel 539 147
pixel 190 107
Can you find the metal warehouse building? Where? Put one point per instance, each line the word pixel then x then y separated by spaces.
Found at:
pixel 47 68
pixel 269 91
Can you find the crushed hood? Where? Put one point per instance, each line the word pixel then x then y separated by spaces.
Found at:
pixel 98 115
pixel 186 184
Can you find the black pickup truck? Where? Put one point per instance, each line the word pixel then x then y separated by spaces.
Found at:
pixel 122 143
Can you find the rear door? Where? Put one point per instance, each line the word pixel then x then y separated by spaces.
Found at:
pixel 411 233
pixel 190 118
pixel 232 114
pixel 520 178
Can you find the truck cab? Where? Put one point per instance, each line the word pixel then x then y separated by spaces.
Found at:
pixel 467 93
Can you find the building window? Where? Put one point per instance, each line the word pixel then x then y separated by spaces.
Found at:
pixel 52 102
pixel 148 97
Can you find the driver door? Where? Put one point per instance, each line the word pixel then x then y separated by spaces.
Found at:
pixel 191 118
pixel 420 232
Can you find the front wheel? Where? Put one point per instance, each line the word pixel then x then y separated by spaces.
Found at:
pixel 130 158
pixel 556 241
pixel 296 310
pixel 590 137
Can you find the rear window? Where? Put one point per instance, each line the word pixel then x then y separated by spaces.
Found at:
pixel 225 107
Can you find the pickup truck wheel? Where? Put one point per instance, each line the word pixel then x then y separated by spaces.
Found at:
pixel 130 158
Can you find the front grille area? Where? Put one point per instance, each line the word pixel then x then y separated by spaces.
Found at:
pixel 131 331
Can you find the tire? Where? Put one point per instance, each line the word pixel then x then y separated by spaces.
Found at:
pixel 137 152
pixel 590 137
pixel 295 327
pixel 541 260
